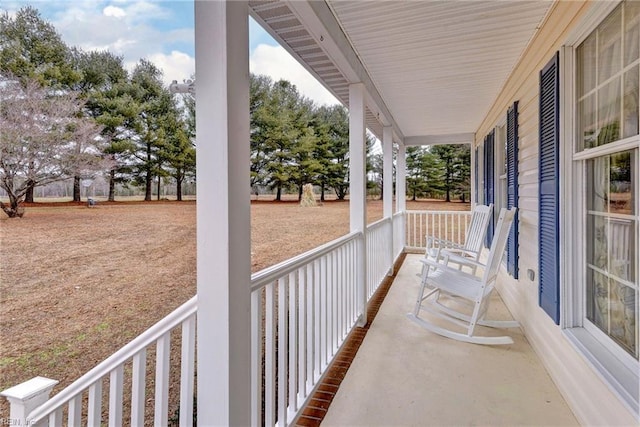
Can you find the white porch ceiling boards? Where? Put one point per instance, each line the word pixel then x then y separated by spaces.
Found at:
pixel 435 66
pixel 439 65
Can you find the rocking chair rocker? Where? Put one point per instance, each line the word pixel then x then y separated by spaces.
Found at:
pixel 462 287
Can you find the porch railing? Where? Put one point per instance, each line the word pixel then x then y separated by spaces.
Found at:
pixel 398 233
pixel 379 253
pixel 81 402
pixel 450 225
pixel 302 311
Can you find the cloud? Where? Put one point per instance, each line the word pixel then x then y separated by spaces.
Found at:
pixel 276 62
pixel 175 66
pixel 116 12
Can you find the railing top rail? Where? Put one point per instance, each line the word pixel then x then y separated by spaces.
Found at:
pixel 175 318
pixel 398 213
pixel 378 223
pixel 439 212
pixel 269 274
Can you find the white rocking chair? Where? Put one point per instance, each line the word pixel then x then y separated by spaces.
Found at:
pixel 465 287
pixel 438 249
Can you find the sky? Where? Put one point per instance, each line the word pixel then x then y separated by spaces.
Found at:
pixel 162 32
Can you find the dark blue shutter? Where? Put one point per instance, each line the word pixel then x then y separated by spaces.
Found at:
pixel 512 187
pixel 475 175
pixel 489 175
pixel 548 200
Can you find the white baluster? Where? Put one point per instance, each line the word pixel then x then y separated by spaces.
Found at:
pixel 256 357
pixel 115 397
pixel 187 368
pixel 282 352
pixel 270 351
pixel 75 411
pixel 94 410
pixel 138 378
pixel 293 341
pixel 161 412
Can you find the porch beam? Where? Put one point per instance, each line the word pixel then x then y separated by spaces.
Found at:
pixel 451 138
pixel 357 189
pixel 223 213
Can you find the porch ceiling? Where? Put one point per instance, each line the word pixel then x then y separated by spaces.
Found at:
pixel 432 68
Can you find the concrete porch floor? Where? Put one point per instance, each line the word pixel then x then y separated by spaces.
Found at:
pixel 404 375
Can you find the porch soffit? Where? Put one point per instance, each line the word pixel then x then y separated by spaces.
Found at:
pixel 433 68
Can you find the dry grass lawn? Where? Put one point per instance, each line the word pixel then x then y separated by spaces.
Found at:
pixel 77 283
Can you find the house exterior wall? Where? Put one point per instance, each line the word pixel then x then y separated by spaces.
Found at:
pixel 589 396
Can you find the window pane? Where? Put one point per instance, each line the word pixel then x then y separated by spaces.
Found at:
pixel 598 250
pixel 632 32
pixel 610 184
pixel 587 65
pixel 587 122
pixel 598 299
pixel 622 314
pixel 630 102
pixel 610 46
pixel 621 187
pixel 598 184
pixel 611 306
pixel 622 249
pixel 609 113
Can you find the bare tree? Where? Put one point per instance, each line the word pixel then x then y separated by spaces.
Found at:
pixel 43 138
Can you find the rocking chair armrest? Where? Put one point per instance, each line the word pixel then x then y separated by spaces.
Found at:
pixel 446 268
pixel 442 243
pixel 450 256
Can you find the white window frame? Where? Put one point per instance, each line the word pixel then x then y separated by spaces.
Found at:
pixel 500 179
pixel 617 368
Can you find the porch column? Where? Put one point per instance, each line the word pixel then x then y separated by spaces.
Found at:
pixel 357 190
pixel 401 192
pixel 387 184
pixel 401 171
pixel 387 171
pixel 223 213
pixel 472 193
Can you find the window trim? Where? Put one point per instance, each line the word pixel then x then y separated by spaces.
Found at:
pixel 622 379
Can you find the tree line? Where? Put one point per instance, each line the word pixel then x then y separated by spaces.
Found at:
pixel 67 113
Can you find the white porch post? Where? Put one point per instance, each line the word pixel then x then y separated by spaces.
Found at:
pixel 387 171
pixel 357 189
pixel 387 184
pixel 472 193
pixel 401 192
pixel 223 213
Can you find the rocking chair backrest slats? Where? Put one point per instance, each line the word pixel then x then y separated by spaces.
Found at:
pixel 498 245
pixel 478 227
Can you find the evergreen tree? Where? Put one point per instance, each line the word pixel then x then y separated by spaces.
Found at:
pixel 32 50
pixel 456 167
pixel 154 104
pixel 104 85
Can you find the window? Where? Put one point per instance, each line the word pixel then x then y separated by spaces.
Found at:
pixel 603 312
pixel 607 63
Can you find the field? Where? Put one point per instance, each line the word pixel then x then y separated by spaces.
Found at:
pixel 77 283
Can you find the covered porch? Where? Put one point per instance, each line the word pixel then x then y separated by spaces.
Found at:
pixel 415 73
